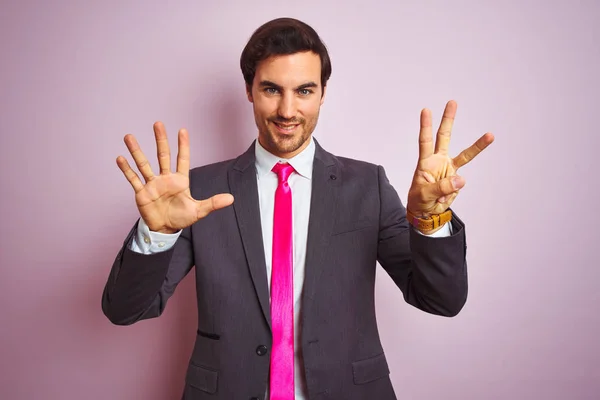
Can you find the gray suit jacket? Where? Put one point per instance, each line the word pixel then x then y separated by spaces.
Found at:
pixel 356 219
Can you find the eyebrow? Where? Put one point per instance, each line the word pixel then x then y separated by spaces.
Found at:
pixel 279 87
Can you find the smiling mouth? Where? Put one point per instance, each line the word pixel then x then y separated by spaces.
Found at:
pixel 286 128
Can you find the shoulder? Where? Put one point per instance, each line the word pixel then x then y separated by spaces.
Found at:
pixel 211 170
pixel 219 170
pixel 355 168
pixel 355 164
pixel 210 179
pixel 345 164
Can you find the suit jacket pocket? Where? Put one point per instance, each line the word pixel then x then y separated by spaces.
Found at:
pixel 369 370
pixel 202 378
pixel 351 226
pixel 209 335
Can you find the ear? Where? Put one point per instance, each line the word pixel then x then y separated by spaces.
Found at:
pixel 249 93
pixel 323 95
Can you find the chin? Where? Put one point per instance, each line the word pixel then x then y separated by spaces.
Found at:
pixel 281 143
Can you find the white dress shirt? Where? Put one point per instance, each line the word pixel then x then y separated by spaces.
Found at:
pixel 149 242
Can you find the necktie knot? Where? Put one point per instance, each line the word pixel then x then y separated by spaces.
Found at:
pixel 283 171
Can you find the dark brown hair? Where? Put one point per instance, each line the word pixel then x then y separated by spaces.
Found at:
pixel 283 36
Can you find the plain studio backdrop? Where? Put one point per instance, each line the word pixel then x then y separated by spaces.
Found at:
pixel 77 76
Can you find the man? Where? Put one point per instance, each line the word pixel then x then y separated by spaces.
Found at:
pixel 285 274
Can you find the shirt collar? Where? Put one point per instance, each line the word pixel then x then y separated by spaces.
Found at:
pixel 302 162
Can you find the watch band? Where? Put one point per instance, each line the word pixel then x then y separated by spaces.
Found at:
pixel 427 224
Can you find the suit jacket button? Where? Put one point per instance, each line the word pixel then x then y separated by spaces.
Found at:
pixel 261 350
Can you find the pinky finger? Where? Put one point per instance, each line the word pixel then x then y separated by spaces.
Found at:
pixel 130 174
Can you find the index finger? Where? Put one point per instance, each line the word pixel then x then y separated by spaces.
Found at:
pixel 183 153
pixel 470 153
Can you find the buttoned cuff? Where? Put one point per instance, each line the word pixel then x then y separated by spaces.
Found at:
pixel 149 242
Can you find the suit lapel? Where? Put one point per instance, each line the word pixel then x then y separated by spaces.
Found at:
pixel 242 181
pixel 325 182
pixel 326 179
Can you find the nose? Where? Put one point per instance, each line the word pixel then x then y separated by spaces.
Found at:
pixel 287 106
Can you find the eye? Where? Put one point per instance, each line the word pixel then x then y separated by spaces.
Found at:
pixel 271 90
pixel 304 92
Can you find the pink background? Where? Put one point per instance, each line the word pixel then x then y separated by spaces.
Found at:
pixel 76 77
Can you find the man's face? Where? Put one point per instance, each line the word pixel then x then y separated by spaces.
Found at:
pixel 287 96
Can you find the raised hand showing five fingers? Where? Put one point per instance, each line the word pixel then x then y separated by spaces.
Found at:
pixel 435 183
pixel 164 200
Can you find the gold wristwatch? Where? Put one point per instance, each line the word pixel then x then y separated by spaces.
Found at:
pixel 427 224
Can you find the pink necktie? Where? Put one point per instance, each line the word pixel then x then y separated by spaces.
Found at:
pixel 282 303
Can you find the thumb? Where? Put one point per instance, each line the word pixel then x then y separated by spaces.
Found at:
pixel 448 186
pixel 221 200
pixel 218 201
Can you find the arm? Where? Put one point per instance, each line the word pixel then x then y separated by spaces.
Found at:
pixel 431 272
pixel 139 285
pixel 144 275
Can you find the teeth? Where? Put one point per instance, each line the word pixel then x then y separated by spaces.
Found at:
pixel 286 128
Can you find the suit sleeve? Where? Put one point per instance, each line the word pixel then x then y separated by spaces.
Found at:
pixel 139 285
pixel 431 272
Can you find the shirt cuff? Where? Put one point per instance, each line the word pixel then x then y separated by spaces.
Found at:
pixel 150 242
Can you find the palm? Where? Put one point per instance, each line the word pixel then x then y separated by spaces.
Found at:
pixel 431 170
pixel 164 201
pixel 436 183
pixel 168 198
